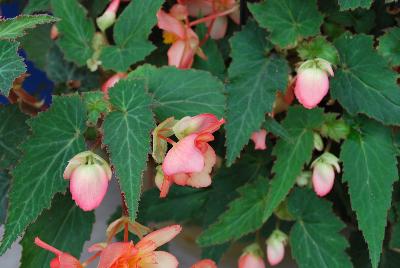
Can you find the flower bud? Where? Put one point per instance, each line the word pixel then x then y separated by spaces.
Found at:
pixel 251 257
pixel 89 175
pixel 207 263
pixel 312 83
pixel 323 175
pixel 318 143
pixel 108 18
pixel 276 247
pixel 258 138
pixel 54 32
pixel 303 179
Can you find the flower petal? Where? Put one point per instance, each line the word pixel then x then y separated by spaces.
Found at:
pixel 170 24
pixel 198 7
pixel 219 27
pixel 158 238
pixel 162 260
pixel 275 252
pixel 115 251
pixel 207 263
pixel 175 53
pixel 311 87
pixel 258 138
pixel 251 261
pixel 202 123
pixel 68 261
pixel 323 178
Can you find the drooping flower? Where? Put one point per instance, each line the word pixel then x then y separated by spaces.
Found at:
pixel 108 18
pixel 312 82
pixel 89 175
pixel 185 42
pixel 111 82
pixel 190 161
pixel 143 254
pixel 207 263
pixel 62 260
pixel 258 138
pixel 251 257
pixel 276 247
pixel 323 175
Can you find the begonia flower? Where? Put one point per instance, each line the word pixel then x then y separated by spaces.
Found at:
pixel 89 175
pixel 323 174
pixel 162 132
pixel 251 257
pixel 276 247
pixel 111 82
pixel 312 82
pixel 258 138
pixel 108 18
pixel 207 263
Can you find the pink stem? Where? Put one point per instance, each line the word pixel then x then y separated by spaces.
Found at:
pixel 46 246
pixel 213 16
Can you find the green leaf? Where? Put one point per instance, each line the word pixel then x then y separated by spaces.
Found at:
pixel 131 35
pixel 389 46
pixel 57 135
pixel 315 238
pixel 4 185
pixel 181 93
pixel 254 80
pixel 16 27
pixel 395 239
pixel 127 136
pixel 369 162
pixel 37 44
pixel 318 47
pixel 271 125
pixel 364 83
pixel 13 131
pixel 353 4
pixel 96 105
pixel 36 5
pixel 11 65
pixel 244 215
pixel 65 226
pixel 76 30
pixel 288 20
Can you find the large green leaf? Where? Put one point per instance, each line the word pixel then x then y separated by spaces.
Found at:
pixel 13 131
pixel 36 5
pixel 131 35
pixel 389 46
pixel 37 44
pixel 65 226
pixel 57 135
pixel 11 65
pixel 254 80
pixel 76 30
pixel 370 169
pixel 182 92
pixel 127 136
pixel 16 27
pixel 364 83
pixel 315 238
pixel 288 20
pixel 4 185
pixel 353 4
pixel 318 47
pixel 245 214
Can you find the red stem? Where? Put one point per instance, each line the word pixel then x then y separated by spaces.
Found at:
pixel 91 259
pixel 213 16
pixel 46 246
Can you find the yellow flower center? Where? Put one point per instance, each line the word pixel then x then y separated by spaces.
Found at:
pixel 169 38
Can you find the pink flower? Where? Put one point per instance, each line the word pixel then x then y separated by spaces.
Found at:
pixel 54 32
pixel 144 254
pixel 312 83
pixel 202 123
pixel 111 82
pixel 62 260
pixel 185 42
pixel 108 18
pixel 251 258
pixel 207 263
pixel 276 247
pixel 323 175
pixel 89 175
pixel 258 138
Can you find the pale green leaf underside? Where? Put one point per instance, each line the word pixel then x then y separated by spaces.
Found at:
pixel 353 4
pixel 65 226
pixel 11 65
pixel 57 135
pixel 127 136
pixel 364 83
pixel 369 168
pixel 288 20
pixel 254 80
pixel 76 30
pixel 131 33
pixel 389 46
pixel 314 239
pixel 16 27
pixel 13 130
pixel 182 93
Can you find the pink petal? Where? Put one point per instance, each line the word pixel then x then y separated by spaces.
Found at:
pixel 162 260
pixel 111 82
pixel 158 238
pixel 179 12
pixel 251 261
pixel 203 179
pixel 88 186
pixel 207 263
pixel 183 157
pixel 235 16
pixel 275 252
pixel 202 123
pixel 176 53
pixel 180 179
pixel 219 28
pixel 68 261
pixel 323 178
pixel 115 251
pixel 170 24
pixel 198 7
pixel 258 138
pixel 97 247
pixel 311 87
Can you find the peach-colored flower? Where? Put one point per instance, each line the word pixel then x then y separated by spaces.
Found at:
pixel 111 82
pixel 143 254
pixel 258 138
pixel 323 175
pixel 207 263
pixel 62 260
pixel 312 82
pixel 185 42
pixel 89 175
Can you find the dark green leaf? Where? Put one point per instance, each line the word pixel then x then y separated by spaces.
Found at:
pixel 389 46
pixel 4 185
pixel 16 27
pixel 271 125
pixel 318 47
pixel 96 105
pixel 37 44
pixel 353 4
pixel 36 5
pixel 11 65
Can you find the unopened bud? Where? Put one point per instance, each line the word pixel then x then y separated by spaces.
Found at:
pixel 276 247
pixel 108 18
pixel 318 143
